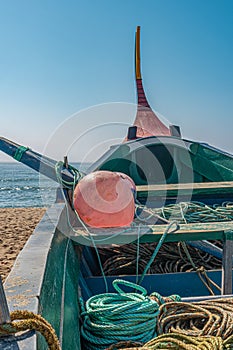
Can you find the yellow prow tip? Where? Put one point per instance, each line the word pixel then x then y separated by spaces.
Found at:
pixel 137 54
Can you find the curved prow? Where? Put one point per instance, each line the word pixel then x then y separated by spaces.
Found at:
pixel 142 100
pixel 146 122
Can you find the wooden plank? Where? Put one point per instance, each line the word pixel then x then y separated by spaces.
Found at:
pixel 152 233
pixel 200 189
pixel 4 311
pixel 185 186
pixel 227 265
pixel 196 227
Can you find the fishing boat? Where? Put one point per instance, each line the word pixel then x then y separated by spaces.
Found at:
pixel 65 262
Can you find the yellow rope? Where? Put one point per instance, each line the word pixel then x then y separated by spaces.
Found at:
pixel 28 320
pixel 203 325
pixel 176 341
pixel 203 318
pixel 125 345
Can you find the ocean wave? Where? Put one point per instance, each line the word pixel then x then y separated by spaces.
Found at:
pixel 27 188
pixel 22 187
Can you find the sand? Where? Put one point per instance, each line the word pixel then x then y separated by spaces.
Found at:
pixel 16 225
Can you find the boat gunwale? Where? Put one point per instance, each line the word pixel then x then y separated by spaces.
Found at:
pixel 23 284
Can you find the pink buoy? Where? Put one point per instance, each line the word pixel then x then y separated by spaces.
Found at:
pixel 105 199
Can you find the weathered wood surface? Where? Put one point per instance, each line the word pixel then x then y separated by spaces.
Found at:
pixel 227 266
pixel 194 185
pixel 152 233
pixel 204 228
pixel 186 188
pixel 4 311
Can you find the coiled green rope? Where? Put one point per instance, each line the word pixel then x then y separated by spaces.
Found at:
pixel 112 317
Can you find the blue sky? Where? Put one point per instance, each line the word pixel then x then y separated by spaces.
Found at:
pixel 60 57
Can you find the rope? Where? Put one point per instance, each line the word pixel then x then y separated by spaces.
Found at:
pixel 112 317
pixel 28 320
pixel 204 318
pixel 168 230
pixel 201 272
pixel 77 175
pixel 189 212
pixel 182 342
pixel 125 345
pixel 171 257
pixel 176 341
pixel 183 209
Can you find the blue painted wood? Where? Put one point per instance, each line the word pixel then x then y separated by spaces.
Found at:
pixel 185 284
pixel 34 160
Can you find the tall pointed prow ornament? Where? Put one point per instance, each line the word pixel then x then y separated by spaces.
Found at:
pixel 146 122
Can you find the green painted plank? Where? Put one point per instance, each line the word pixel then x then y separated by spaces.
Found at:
pixel 152 233
pixel 211 163
pixel 59 293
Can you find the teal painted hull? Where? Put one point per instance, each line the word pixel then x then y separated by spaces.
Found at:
pixel 53 271
pixel 170 160
pixel 44 280
pixel 52 285
pixel 57 266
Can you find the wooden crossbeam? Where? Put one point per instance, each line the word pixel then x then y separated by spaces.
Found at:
pixel 196 227
pixel 185 186
pixel 205 189
pixel 152 233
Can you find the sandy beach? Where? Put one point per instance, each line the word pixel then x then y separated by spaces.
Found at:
pixel 16 225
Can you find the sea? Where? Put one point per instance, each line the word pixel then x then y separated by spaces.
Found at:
pixel 21 186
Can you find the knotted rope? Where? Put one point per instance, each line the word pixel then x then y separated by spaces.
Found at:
pixel 28 320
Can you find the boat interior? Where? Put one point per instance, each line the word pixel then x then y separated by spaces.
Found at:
pixel 167 160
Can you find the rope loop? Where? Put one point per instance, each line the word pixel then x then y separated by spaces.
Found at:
pixel 134 286
pixel 77 175
pixel 22 320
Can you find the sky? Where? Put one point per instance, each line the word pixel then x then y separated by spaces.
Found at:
pixel 67 70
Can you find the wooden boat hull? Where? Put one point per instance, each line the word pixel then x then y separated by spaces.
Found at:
pixel 45 280
pixel 51 272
